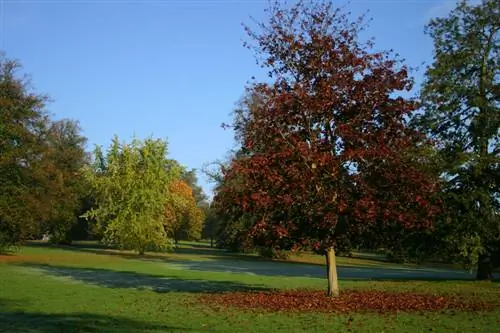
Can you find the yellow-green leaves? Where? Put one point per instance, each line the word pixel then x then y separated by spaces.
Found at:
pixel 130 185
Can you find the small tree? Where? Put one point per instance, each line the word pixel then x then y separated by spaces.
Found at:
pixel 324 151
pixel 184 217
pixel 211 225
pixel 130 186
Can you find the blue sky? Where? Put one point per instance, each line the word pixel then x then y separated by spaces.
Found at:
pixel 171 69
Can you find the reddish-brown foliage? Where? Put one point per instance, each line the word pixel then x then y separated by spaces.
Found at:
pixel 9 258
pixel 348 301
pixel 325 148
pixel 25 258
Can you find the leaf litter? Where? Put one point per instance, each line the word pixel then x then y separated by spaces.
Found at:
pixel 347 302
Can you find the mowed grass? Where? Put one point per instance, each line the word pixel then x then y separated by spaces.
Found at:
pixel 90 289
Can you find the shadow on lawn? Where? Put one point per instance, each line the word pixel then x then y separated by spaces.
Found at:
pixel 14 319
pixel 37 322
pixel 157 283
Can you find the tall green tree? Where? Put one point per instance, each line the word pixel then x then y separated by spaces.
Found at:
pixel 460 98
pixel 130 184
pixel 23 122
pixel 210 225
pixel 61 170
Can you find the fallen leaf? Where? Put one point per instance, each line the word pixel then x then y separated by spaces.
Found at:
pixel 348 301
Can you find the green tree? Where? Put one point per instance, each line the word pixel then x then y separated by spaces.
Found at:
pixel 61 172
pixel 22 124
pixel 228 229
pixel 130 184
pixel 210 225
pixel 460 98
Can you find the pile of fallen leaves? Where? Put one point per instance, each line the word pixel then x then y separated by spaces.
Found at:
pixel 348 301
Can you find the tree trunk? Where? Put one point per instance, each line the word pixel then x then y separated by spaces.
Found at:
pixel 211 242
pixel 331 267
pixel 484 268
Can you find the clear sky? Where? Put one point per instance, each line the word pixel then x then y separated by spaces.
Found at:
pixel 169 68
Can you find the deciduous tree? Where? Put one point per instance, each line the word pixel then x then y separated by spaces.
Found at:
pixel 324 153
pixel 461 112
pixel 130 184
pixel 210 225
pixel 189 176
pixel 232 223
pixel 184 217
pixel 23 122
pixel 60 171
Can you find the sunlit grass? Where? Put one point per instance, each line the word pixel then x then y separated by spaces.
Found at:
pixel 89 289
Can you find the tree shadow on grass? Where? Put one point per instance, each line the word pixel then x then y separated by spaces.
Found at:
pixel 157 283
pixel 14 319
pixel 37 322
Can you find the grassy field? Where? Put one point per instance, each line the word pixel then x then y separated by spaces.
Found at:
pixel 90 289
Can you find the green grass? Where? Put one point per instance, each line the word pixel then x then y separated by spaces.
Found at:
pixel 91 289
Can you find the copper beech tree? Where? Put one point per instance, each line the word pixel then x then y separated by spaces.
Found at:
pixel 325 152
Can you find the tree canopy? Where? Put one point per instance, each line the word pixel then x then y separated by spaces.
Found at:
pixel 460 99
pixel 184 217
pixel 131 187
pixel 324 151
pixel 22 145
pixel 61 165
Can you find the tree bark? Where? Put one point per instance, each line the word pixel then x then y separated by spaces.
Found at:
pixel 331 267
pixel 484 268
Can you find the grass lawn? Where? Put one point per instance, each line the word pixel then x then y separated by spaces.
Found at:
pixel 90 289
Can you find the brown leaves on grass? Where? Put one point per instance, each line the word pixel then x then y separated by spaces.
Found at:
pixel 14 258
pixel 348 301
